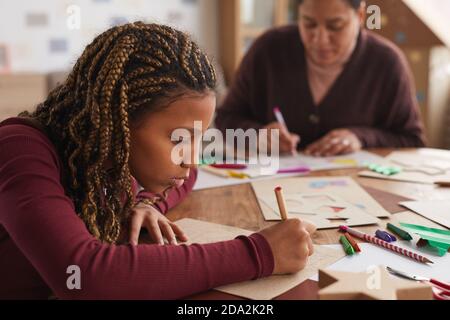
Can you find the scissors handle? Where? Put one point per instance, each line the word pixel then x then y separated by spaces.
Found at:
pixel 442 285
pixel 441 295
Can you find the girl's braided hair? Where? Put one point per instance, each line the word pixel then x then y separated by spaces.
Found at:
pixel 123 74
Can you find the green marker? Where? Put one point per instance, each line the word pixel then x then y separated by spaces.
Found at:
pixel 401 233
pixel 384 170
pixel 347 246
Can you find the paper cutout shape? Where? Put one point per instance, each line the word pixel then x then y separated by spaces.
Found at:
pixel 423 166
pixel 343 189
pixel 437 238
pixel 326 211
pixel 376 284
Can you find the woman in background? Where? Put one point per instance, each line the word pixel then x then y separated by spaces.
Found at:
pixel 340 88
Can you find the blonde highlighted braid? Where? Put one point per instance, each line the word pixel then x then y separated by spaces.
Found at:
pixel 123 74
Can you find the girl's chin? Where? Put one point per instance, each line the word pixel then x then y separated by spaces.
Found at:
pixel 164 186
pixel 156 189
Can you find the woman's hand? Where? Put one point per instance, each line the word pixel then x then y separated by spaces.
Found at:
pixel 157 225
pixel 337 142
pixel 288 141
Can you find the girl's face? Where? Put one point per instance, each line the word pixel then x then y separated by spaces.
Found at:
pixel 151 160
pixel 328 29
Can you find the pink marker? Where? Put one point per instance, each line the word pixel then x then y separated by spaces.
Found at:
pixel 294 170
pixel 279 117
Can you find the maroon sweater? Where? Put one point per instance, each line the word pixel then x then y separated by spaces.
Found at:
pixel 373 96
pixel 41 236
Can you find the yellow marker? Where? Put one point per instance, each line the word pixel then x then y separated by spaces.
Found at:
pixel 237 175
pixel 346 162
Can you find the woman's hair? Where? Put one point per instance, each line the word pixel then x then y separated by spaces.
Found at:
pixel 355 4
pixel 125 73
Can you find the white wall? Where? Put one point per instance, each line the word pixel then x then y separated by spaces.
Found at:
pixel 30 46
pixel 435 13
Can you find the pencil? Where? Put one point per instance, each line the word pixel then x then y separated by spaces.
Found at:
pixel 352 242
pixel 281 203
pixel 386 245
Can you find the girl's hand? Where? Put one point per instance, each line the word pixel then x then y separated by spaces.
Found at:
pixel 157 225
pixel 291 245
pixel 337 142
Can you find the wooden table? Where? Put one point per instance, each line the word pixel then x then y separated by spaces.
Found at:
pixel 237 206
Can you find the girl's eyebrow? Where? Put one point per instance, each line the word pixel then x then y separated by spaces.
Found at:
pixel 191 130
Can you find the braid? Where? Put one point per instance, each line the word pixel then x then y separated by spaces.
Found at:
pixel 120 75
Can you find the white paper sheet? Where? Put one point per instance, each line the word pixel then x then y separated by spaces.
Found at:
pixel 359 159
pixel 373 255
pixel 426 166
pixel 437 211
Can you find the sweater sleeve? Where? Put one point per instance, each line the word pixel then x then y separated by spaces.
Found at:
pixel 41 221
pixel 399 124
pixel 236 112
pixel 175 196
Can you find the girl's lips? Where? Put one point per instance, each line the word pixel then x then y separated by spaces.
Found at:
pixel 178 182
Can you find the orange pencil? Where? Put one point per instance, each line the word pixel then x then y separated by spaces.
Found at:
pixel 281 203
pixel 352 242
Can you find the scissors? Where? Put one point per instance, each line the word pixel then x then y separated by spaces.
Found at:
pixel 441 291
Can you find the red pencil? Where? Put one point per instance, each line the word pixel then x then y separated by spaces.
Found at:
pixel 386 245
pixel 352 242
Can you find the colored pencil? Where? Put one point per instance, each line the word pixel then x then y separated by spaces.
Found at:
pixel 281 203
pixel 412 255
pixel 352 242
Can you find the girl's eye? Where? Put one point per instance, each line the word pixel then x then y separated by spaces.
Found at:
pixel 177 141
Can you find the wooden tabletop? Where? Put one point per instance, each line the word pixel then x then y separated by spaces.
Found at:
pixel 237 206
